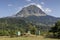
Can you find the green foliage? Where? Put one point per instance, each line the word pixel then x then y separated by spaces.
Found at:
pixel 4 33
pixel 56 29
pixel 9 26
pixel 31 28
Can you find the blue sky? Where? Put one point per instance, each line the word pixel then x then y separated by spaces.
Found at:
pixel 11 7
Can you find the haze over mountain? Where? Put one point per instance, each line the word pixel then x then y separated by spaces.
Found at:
pixel 36 15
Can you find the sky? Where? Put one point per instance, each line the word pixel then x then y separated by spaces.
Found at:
pixel 11 7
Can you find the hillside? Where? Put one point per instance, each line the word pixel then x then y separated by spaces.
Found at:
pixel 30 15
pixel 35 15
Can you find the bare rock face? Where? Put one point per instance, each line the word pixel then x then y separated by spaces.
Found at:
pixel 29 11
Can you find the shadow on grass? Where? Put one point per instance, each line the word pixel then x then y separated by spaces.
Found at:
pixel 52 36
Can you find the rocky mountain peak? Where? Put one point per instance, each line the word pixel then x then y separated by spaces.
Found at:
pixel 30 11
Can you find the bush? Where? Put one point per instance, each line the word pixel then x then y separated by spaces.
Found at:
pixel 4 33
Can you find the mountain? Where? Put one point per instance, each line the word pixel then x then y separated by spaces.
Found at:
pixel 30 14
pixel 34 14
pixel 30 11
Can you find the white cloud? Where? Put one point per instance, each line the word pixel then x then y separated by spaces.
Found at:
pixel 18 9
pixel 38 5
pixel 42 3
pixel 48 10
pixel 10 5
pixel 28 0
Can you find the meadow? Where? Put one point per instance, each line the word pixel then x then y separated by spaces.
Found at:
pixel 26 38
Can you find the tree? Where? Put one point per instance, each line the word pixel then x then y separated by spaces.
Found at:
pixel 56 29
pixel 32 28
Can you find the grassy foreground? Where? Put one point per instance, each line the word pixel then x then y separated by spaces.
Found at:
pixel 27 38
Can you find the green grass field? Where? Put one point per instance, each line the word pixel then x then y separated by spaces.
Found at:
pixel 27 38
